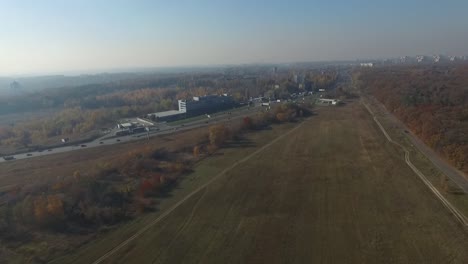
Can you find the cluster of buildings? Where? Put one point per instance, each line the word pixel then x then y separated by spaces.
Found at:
pixel 367 64
pixel 420 59
pixel 130 128
pixel 429 59
pixel 198 105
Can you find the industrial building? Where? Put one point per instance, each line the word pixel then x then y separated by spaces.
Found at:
pixel 205 104
pixel 129 128
pixel 170 115
pixel 198 105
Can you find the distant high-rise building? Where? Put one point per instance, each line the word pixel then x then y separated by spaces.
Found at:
pixel 15 87
pixel 300 78
pixel 420 58
pixel 367 64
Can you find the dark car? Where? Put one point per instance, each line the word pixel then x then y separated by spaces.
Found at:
pixel 29 154
pixel 101 142
pixel 83 146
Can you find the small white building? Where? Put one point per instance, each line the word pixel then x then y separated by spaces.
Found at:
pixel 125 125
pixel 367 64
pixel 329 101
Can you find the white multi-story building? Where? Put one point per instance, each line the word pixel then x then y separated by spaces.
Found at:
pixel 420 58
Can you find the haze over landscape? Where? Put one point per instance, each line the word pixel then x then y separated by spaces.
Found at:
pixel 233 132
pixel 45 37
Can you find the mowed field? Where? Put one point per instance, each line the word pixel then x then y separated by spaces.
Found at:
pixel 333 191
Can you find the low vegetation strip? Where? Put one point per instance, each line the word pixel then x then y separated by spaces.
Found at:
pixel 163 215
pixel 458 215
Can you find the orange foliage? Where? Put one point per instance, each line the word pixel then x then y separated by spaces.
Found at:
pixel 431 101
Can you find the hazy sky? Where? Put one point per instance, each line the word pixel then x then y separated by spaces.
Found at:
pixel 42 36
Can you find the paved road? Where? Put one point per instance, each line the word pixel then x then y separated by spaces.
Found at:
pixel 456 175
pixel 163 129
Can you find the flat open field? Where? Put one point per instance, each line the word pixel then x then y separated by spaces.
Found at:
pixel 333 191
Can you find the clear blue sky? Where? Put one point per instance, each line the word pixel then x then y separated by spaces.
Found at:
pixel 64 35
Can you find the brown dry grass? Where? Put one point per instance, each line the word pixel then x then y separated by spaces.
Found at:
pixel 335 191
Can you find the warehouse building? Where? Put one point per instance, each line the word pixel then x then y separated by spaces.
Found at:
pixel 170 115
pixel 198 105
pixel 206 104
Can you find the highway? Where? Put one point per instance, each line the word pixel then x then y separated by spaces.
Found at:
pixel 162 129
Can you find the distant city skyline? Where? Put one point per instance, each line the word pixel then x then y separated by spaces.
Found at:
pixel 41 37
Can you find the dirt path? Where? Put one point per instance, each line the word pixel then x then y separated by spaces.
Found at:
pixel 162 216
pixel 458 215
pixel 453 173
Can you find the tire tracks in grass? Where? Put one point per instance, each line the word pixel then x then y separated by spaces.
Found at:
pixel 175 206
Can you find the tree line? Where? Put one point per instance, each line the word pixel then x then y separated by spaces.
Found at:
pixel 431 101
pixel 86 109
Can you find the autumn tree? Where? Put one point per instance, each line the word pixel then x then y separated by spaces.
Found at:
pixel 247 123
pixel 218 134
pixel 55 207
pixel 196 151
pixel 282 117
pixel 40 210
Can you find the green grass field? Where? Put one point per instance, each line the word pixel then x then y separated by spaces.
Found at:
pixel 333 191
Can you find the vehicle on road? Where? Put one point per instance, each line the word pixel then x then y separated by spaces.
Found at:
pixel 83 146
pixel 29 154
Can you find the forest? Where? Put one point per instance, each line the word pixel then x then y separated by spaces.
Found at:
pixel 86 109
pixel 431 100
